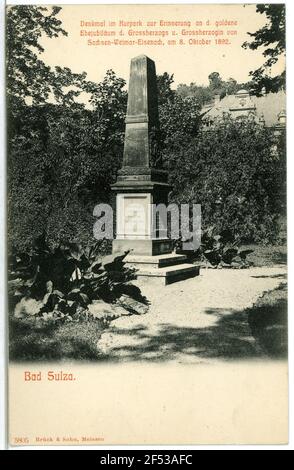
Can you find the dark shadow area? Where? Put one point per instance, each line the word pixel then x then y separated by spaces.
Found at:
pixel 33 340
pixel 271 276
pixel 268 322
pixel 279 258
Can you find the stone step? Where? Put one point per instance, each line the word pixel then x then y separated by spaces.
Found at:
pixel 169 274
pixel 158 261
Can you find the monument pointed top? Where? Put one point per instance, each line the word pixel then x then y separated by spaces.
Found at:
pixel 142 121
pixel 142 99
pixel 141 56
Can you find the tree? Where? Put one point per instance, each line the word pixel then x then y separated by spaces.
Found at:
pixel 215 81
pixel 165 93
pixel 201 93
pixel 272 37
pixel 217 86
pixel 231 86
pixel 62 157
pixel 179 122
pixel 28 79
pixel 221 87
pixel 62 161
pixel 27 76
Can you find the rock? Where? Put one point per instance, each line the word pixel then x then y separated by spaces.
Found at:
pixel 119 310
pixel 27 306
pixel 225 265
pixel 133 306
pixel 236 265
pixel 101 310
pixel 124 307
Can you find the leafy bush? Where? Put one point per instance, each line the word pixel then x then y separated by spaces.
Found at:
pixel 61 163
pixel 222 250
pixel 61 282
pixel 217 249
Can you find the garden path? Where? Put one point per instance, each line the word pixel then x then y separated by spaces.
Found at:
pixel 199 320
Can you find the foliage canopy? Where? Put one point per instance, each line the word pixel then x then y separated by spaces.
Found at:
pixel 63 156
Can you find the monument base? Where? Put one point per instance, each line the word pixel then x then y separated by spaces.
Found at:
pixel 163 269
pixel 142 247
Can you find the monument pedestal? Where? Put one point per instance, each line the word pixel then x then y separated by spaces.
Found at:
pixel 135 194
pixel 151 257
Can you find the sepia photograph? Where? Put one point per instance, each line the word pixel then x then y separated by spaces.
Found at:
pixel 146 224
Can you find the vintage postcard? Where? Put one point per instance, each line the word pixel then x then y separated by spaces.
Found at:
pixel 147 231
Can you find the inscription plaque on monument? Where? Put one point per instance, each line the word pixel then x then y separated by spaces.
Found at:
pixel 133 219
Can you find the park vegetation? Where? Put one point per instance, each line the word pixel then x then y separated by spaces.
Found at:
pixel 64 153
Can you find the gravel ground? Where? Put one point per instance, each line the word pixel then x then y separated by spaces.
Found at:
pixel 197 320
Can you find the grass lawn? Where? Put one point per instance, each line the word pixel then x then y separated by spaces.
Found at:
pixel 34 339
pixel 266 255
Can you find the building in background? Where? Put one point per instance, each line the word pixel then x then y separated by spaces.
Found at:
pixel 268 110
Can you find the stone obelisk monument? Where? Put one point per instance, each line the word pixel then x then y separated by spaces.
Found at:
pixel 142 182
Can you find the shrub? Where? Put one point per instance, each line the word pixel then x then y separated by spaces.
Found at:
pixel 232 172
pixel 222 250
pixel 61 282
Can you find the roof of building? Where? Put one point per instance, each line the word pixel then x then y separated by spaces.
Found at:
pixel 268 106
